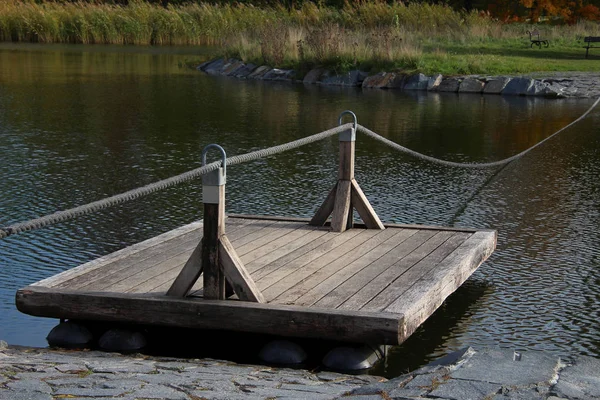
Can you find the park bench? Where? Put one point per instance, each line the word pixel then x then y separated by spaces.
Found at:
pixel 589 40
pixel 534 37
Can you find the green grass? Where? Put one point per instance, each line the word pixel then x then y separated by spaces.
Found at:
pixel 372 36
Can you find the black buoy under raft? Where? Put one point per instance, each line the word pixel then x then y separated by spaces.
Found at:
pixel 70 335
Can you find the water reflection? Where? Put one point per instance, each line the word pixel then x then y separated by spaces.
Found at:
pixel 78 124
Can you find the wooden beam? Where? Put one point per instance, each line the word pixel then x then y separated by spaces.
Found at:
pixel 325 210
pixel 430 291
pixel 359 225
pixel 127 252
pixel 214 228
pixel 346 167
pixel 341 209
pixel 189 274
pixel 353 326
pixel 236 274
pixel 364 209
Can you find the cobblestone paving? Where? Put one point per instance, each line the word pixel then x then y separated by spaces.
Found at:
pixel 488 374
pixel 43 374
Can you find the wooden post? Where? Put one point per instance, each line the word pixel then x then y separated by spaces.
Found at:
pixel 346 194
pixel 215 256
pixel 214 228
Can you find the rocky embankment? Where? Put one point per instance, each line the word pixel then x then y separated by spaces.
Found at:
pixel 487 374
pixel 551 85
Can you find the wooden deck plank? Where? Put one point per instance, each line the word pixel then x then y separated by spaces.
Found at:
pixel 430 291
pixel 272 288
pixel 114 272
pixel 158 278
pixel 319 283
pixel 358 282
pixel 361 225
pixel 287 249
pixel 300 256
pixel 133 276
pixel 360 255
pixel 372 261
pixel 157 251
pixel 212 314
pixel 116 256
pixel 405 280
pixel 261 228
pixel 276 233
pixel 281 248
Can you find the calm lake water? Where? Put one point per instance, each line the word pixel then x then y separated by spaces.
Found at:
pixel 80 123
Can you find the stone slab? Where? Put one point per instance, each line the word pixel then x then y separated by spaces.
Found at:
pixel 259 72
pixel 315 75
pixel 434 81
pixel 351 78
pixel 465 390
pixel 449 85
pixel 416 82
pixel 471 85
pixel 496 85
pixel 581 380
pixel 279 75
pixel 497 366
pixel 518 86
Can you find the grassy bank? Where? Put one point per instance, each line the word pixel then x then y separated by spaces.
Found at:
pixel 371 36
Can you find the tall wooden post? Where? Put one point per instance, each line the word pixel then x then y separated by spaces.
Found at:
pixel 213 197
pixel 215 256
pixel 346 194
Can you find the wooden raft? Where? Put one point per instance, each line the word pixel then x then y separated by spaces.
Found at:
pixel 292 277
pixel 360 285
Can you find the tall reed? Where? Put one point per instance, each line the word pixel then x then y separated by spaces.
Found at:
pixel 363 33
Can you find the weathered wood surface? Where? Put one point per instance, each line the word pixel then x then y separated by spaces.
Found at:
pixel 364 208
pixel 236 273
pixel 136 249
pixel 402 270
pixel 238 217
pixel 214 228
pixel 212 314
pixel 342 206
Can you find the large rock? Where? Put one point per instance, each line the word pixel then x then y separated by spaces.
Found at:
pixel 379 80
pixel 449 85
pixel 580 380
pixel 203 65
pixel 471 85
pixel 315 75
pixel 277 74
pixel 518 86
pixel 259 72
pixel 500 366
pixel 352 78
pixel 232 67
pixel 416 82
pixel 244 71
pixel 553 90
pixel 536 88
pixel 214 67
pixel 496 85
pixel 434 82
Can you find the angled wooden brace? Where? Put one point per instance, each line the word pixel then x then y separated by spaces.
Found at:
pixel 215 257
pixel 346 195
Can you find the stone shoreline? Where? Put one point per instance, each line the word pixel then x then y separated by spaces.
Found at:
pixel 45 374
pixel 550 85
